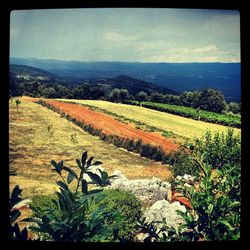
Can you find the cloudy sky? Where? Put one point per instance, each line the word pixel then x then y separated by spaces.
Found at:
pixel 118 34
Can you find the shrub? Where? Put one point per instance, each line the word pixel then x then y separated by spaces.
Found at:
pixel 216 202
pixel 74 216
pixel 182 164
pixel 128 206
pixel 43 203
pixel 220 149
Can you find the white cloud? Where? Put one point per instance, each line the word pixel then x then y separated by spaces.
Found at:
pixel 118 37
pixel 179 50
pixel 208 48
pixel 163 58
pixel 208 59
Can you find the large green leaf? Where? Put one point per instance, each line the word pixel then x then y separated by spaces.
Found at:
pixel 89 161
pixel 62 185
pixel 97 163
pixel 84 158
pixel 70 178
pixel 84 187
pixel 104 175
pixel 16 192
pixel 70 171
pixel 95 178
pixel 79 163
pixel 226 223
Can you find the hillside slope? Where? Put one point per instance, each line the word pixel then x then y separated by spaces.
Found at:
pixel 179 77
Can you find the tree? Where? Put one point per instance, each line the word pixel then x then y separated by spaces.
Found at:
pixel 62 91
pixel 48 92
pixel 114 95
pixel 234 107
pixel 212 100
pixel 187 98
pixel 141 97
pixel 124 95
pixel 156 97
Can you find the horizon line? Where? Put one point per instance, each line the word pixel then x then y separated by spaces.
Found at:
pixel 116 61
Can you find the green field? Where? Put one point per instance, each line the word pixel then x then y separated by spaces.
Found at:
pixel 38 135
pixel 185 127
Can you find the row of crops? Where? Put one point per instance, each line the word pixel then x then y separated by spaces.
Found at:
pixel 197 114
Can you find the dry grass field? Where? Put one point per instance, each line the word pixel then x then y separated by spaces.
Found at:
pixel 38 135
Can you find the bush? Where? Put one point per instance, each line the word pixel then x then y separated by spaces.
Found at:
pixel 43 203
pixel 128 206
pixel 182 164
pixel 220 149
pixel 215 202
pixel 78 215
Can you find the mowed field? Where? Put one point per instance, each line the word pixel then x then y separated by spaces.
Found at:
pixel 185 127
pixel 38 135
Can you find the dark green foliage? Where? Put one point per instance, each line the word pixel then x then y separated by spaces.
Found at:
pixel 216 203
pixel 197 114
pixel 15 232
pixel 119 95
pixel 182 164
pixel 220 149
pixel 42 203
pixel 128 206
pixel 76 216
pixel 233 107
pixel 141 97
pixel 212 100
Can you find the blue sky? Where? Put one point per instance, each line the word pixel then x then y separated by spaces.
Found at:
pixel 120 34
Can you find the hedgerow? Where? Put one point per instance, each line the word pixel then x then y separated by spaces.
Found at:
pixel 207 116
pixel 145 150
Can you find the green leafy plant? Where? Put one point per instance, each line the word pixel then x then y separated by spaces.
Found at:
pixel 130 210
pixel 220 149
pixel 15 232
pixel 216 204
pixel 71 218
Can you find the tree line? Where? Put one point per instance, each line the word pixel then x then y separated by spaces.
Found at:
pixel 207 99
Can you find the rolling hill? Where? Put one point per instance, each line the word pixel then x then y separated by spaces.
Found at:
pixel 134 85
pixel 178 77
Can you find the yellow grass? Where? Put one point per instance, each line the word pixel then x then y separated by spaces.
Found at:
pixel 182 126
pixel 32 148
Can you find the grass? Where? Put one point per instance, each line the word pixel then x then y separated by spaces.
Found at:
pixel 33 145
pixel 184 127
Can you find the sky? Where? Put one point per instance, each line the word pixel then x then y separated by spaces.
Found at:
pixel 126 34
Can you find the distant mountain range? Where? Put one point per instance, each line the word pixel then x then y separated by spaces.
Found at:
pixel 177 77
pixel 134 85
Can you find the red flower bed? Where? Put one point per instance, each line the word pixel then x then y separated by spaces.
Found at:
pixel 111 126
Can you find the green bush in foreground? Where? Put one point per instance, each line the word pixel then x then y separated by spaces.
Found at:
pixel 128 206
pixel 75 216
pixel 216 202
